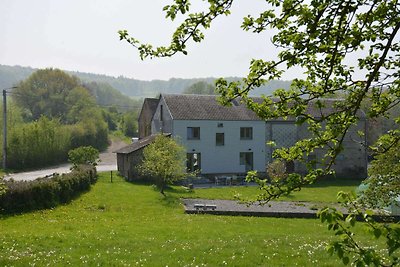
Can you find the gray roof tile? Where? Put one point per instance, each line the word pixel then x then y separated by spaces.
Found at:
pixel 206 107
pixel 137 145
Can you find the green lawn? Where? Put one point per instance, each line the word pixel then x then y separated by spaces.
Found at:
pixel 124 224
pixel 322 191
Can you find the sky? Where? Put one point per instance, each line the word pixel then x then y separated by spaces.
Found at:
pixel 82 35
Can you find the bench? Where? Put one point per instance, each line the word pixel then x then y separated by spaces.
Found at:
pixel 205 206
pixel 211 206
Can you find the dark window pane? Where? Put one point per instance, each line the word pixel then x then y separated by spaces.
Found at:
pixel 219 139
pixel 193 133
pixel 246 133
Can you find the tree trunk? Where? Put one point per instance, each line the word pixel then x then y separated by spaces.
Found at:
pixel 162 187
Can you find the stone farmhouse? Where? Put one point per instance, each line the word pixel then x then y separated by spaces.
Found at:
pixel 232 140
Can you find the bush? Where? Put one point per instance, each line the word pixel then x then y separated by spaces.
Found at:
pixel 44 193
pixel 84 155
pixel 36 144
pixel 276 171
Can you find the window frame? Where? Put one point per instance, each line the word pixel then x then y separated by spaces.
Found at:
pixel 246 133
pixel 193 133
pixel 218 141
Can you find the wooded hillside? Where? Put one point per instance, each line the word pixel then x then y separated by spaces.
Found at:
pixel 10 75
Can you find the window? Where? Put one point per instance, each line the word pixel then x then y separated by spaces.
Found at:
pixel 246 133
pixel 161 113
pixel 193 162
pixel 220 125
pixel 246 158
pixel 193 133
pixel 219 139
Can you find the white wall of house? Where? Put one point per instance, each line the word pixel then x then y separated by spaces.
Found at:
pixel 226 158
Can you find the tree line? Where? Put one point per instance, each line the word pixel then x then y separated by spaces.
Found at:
pixel 122 86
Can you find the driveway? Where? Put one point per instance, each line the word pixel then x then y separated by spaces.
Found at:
pixel 108 163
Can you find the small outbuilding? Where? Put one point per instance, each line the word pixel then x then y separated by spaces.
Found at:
pixel 130 156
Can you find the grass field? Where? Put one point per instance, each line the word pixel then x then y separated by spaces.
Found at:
pixel 323 191
pixel 124 224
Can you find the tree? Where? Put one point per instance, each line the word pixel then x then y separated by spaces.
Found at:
pixel 383 183
pixel 91 130
pixel 165 161
pixel 106 95
pixel 84 155
pixel 200 88
pixel 348 47
pixel 79 102
pixel 112 117
pixel 129 123
pixel 45 92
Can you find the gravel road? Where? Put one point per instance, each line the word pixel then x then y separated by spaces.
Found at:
pixel 108 163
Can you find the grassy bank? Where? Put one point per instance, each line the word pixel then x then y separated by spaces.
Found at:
pixel 124 224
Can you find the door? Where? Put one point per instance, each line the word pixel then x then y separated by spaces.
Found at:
pixel 246 159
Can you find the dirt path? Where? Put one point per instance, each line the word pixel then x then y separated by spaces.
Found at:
pixel 108 163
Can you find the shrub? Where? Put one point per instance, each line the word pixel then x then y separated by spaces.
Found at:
pixel 40 143
pixel 276 171
pixel 2 186
pixel 84 155
pixel 44 193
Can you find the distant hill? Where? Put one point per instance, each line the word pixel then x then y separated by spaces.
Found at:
pixel 11 75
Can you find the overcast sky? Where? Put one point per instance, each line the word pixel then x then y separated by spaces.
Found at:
pixel 81 35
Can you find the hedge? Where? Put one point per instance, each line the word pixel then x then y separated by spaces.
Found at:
pixel 44 193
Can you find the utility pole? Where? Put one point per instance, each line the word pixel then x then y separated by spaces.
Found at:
pixel 5 126
pixel 4 129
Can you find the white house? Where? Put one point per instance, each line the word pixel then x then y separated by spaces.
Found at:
pixel 218 139
pixel 232 140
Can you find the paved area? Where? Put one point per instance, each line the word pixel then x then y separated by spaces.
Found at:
pixel 108 162
pixel 283 209
pixel 280 209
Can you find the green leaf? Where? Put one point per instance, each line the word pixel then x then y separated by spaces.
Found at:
pixel 330 249
pixel 340 252
pixel 377 232
pixel 369 212
pixel 351 219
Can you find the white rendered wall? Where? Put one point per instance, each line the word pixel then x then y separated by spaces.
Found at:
pixel 226 158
